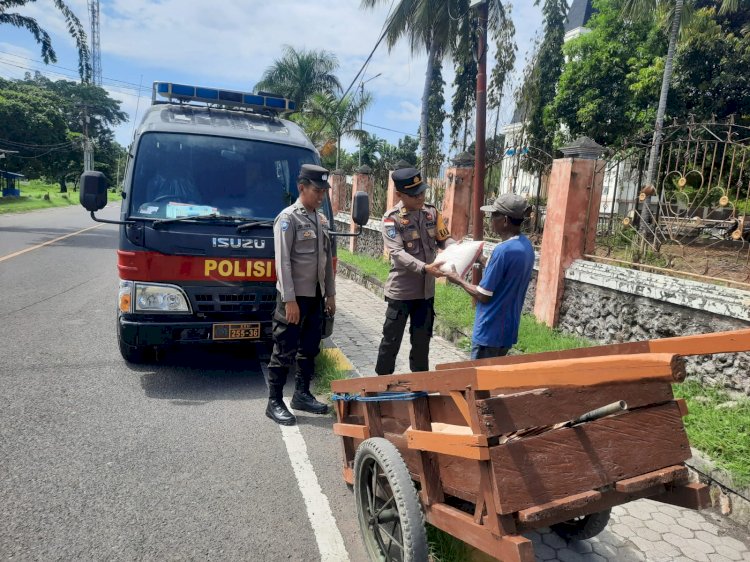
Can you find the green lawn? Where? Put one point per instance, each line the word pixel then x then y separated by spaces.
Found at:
pixel 37 194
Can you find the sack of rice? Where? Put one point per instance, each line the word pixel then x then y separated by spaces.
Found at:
pixel 461 256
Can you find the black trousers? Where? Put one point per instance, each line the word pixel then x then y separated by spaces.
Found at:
pixel 295 342
pixel 422 315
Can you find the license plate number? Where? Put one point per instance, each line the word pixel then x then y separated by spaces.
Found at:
pixel 237 331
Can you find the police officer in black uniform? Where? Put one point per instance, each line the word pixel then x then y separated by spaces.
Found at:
pixel 412 233
pixel 306 289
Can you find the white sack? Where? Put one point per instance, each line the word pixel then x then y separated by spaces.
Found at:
pixel 461 256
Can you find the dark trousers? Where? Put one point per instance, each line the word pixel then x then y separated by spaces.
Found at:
pixel 485 351
pixel 422 315
pixel 295 342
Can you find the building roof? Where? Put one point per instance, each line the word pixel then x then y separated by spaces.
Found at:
pixel 578 15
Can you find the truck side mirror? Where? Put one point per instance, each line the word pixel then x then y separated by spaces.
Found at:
pixel 93 191
pixel 361 208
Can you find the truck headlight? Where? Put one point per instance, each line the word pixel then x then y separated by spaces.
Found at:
pixel 160 298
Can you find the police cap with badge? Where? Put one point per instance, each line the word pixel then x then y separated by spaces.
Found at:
pixel 317 175
pixel 408 181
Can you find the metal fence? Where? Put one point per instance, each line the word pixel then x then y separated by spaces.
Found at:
pixel 695 219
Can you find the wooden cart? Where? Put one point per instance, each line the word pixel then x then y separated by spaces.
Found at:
pixel 481 449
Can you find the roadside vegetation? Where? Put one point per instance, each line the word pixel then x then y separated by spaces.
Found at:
pixel 718 424
pixel 36 194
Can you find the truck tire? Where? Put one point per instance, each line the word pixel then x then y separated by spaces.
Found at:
pixel 388 508
pixel 582 528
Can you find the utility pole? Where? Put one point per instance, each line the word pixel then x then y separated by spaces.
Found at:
pixel 96 57
pixel 362 113
pixel 88 147
pixel 477 231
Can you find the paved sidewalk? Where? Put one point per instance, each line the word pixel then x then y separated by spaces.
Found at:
pixel 638 531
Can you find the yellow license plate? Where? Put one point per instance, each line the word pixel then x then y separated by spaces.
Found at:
pixel 237 331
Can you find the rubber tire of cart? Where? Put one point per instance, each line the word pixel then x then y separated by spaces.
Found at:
pixel 582 528
pixel 414 534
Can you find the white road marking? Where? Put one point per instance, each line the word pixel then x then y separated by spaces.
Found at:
pixel 327 534
pixel 15 254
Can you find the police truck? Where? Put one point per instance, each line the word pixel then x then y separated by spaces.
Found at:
pixel 207 173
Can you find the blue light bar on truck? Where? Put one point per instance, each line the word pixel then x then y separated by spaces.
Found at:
pixel 258 102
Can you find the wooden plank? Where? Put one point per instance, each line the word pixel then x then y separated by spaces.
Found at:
pixel 351 430
pixel 373 419
pixel 558 508
pixel 428 468
pixel 463 407
pixel 348 475
pixel 429 381
pixel 683 407
pixel 442 410
pixel 465 446
pixel 508 548
pixel 704 344
pixel 546 406
pixel 569 461
pixel 582 372
pixel 692 496
pixel 608 500
pixel 594 351
pixel 677 474
pixel 700 344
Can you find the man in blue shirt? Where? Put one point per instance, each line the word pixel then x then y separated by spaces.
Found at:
pixel 502 290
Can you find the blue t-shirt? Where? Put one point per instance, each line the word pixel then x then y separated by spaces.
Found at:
pixel 506 279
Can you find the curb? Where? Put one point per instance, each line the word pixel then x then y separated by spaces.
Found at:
pixel 727 498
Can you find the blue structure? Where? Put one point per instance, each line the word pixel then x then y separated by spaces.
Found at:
pixel 8 181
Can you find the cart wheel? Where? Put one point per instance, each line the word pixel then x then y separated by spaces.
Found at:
pixel 388 508
pixel 582 528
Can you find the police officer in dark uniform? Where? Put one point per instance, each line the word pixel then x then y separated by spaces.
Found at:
pixel 412 233
pixel 306 289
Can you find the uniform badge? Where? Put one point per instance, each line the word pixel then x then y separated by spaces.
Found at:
pixel 404 221
pixel 428 214
pixel 410 244
pixel 307 234
pixel 284 226
pixel 389 228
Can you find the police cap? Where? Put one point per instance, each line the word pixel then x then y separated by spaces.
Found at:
pixel 409 181
pixel 317 175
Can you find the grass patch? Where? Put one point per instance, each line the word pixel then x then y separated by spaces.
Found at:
pixel 446 548
pixel 330 365
pixel 37 194
pixel 722 433
pixel 377 268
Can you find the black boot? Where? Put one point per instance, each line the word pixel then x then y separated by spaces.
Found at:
pixel 305 401
pixel 277 410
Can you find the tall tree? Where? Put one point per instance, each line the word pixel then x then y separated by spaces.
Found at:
pixel 432 27
pixel 541 129
pixel 75 29
pixel 638 8
pixel 464 84
pixel 299 74
pixel 339 114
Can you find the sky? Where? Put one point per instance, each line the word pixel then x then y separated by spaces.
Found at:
pixel 229 43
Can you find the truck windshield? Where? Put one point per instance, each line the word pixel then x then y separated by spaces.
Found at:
pixel 181 175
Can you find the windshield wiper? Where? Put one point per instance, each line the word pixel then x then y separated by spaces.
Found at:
pixel 211 216
pixel 248 225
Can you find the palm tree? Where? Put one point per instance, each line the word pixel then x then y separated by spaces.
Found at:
pixel 434 27
pixel 297 75
pixel 42 37
pixel 340 115
pixel 637 8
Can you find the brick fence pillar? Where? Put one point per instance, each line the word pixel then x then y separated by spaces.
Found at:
pixel 457 198
pixel 363 181
pixel 574 195
pixel 338 191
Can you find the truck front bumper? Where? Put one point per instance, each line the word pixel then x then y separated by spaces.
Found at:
pixel 143 332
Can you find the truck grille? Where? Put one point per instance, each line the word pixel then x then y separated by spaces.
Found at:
pixel 232 299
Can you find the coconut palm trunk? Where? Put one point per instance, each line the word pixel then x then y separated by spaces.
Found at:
pixel 424 126
pixel 666 78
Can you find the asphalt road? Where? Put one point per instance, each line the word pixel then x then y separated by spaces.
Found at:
pixel 101 460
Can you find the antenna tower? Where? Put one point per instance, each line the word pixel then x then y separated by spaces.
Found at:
pixel 96 57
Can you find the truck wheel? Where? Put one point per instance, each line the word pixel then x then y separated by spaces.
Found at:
pixel 136 354
pixel 582 528
pixel 388 508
